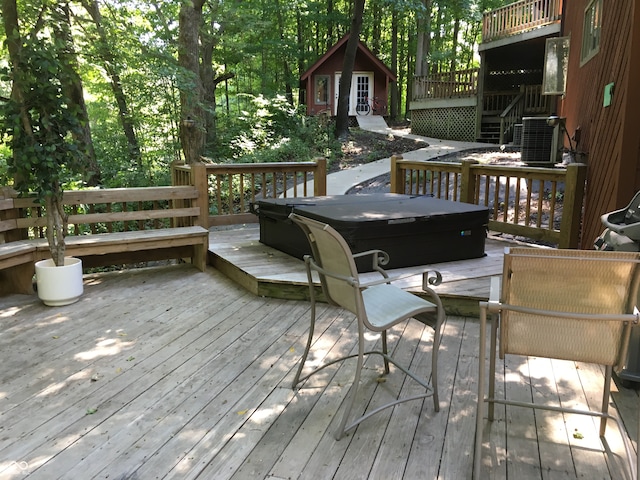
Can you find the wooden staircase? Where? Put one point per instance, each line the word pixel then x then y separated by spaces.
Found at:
pixel 502 110
pixel 490 129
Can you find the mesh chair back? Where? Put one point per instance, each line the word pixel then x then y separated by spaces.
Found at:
pixel 570 281
pixel 331 253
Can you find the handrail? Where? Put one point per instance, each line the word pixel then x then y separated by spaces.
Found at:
pixel 520 17
pixel 511 115
pixel 233 187
pixel 543 204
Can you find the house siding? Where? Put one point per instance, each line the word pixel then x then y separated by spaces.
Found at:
pixel 608 136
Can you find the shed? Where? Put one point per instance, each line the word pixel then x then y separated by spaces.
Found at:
pixel 371 78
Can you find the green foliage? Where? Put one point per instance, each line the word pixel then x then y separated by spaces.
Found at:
pixel 271 130
pixel 263 47
pixel 41 127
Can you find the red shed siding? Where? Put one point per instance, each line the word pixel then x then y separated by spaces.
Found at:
pixel 609 135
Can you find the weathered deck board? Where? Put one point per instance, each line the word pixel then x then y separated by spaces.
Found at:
pixel 190 378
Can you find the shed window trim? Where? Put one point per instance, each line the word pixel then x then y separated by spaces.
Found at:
pixel 321 90
pixel 591 31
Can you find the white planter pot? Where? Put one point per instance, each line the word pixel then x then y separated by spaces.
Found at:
pixel 59 285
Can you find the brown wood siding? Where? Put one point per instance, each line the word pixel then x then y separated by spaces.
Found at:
pixel 607 134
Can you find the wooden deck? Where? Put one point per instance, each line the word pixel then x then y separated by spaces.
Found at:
pixel 265 271
pixel 170 372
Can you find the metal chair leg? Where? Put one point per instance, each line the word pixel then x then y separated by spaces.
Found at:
pixel 477 452
pixel 353 390
pixel 385 351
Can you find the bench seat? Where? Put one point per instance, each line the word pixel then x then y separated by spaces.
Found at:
pixel 17 259
pixel 17 266
pixel 118 226
pixel 190 242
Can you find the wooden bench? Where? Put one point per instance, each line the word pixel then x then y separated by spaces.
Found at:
pixel 16 257
pixel 106 227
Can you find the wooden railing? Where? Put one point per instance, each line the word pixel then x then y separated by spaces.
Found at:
pixel 460 83
pixel 520 17
pixel 511 106
pixel 542 204
pixel 534 100
pixel 511 115
pixel 234 187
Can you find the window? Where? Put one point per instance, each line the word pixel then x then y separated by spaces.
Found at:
pixel 321 90
pixel 591 30
pixel 556 61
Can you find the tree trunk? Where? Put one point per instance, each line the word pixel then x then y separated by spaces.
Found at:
pixel 74 91
pixel 424 40
pixel 454 45
pixel 109 63
pixel 207 77
pixel 14 46
pixel 377 28
pixel 394 106
pixel 57 223
pixel 342 118
pixel 288 88
pixel 192 121
pixel 301 93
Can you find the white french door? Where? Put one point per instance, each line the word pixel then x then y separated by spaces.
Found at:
pixel 361 90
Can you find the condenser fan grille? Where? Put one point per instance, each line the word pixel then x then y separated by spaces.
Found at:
pixel 537 140
pixel 517 134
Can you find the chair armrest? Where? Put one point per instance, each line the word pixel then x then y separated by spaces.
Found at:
pixel 379 258
pixel 495 290
pixel 425 279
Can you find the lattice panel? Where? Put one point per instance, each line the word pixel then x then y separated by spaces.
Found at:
pixel 455 123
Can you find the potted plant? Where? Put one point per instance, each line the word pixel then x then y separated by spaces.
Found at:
pixel 43 131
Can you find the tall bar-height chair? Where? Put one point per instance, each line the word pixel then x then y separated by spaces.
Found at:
pixel 575 305
pixel 378 306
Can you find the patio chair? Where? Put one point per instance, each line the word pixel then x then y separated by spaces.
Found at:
pixel 574 305
pixel 378 306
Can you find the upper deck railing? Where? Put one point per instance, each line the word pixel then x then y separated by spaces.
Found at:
pixel 460 83
pixel 520 17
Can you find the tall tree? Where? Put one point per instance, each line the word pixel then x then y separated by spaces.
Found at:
pixel 424 37
pixel 192 118
pixel 342 117
pixel 394 102
pixel 111 66
pixel 43 125
pixel 73 87
pixel 285 63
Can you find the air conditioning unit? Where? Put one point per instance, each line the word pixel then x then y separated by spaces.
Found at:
pixel 541 142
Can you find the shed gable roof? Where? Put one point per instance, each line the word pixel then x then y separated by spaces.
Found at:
pixel 362 49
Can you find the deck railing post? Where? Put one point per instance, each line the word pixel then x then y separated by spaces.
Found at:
pixel 174 174
pixel 320 178
pixel 11 213
pixel 467 182
pixel 397 179
pixel 200 181
pixel 572 206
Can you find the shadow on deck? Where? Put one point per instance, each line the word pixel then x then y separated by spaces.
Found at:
pixel 173 373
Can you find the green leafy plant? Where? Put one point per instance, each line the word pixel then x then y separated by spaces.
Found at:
pixel 43 129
